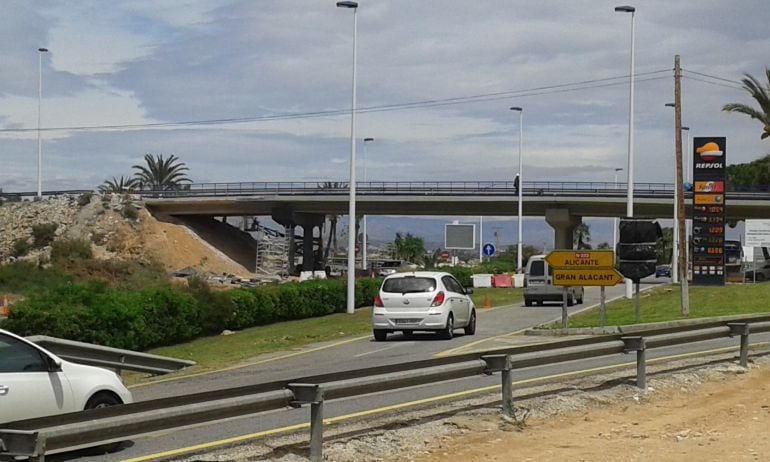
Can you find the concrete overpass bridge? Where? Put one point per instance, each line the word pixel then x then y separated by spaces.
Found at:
pixel 563 204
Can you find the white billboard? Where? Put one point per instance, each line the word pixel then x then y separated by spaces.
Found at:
pixel 460 236
pixel 757 233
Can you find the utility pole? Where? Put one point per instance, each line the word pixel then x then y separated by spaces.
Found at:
pixel 680 213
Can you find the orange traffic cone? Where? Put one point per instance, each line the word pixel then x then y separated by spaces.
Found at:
pixel 4 307
pixel 486 301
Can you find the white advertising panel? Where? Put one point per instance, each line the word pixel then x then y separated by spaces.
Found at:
pixel 757 233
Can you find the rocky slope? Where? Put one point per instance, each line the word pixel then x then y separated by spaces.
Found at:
pixel 112 231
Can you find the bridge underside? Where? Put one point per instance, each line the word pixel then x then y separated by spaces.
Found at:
pixel 605 207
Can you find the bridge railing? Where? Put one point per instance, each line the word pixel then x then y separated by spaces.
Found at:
pixel 408 188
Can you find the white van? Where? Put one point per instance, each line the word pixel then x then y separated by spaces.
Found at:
pixel 538 287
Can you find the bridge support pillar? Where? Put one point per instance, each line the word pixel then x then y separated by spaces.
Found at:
pixel 564 225
pixel 309 223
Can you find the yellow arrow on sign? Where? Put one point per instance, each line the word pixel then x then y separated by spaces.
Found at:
pixel 586 277
pixel 580 259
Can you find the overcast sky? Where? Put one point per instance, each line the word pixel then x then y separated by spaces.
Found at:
pixel 159 61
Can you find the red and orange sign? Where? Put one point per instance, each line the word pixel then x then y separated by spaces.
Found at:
pixel 709 186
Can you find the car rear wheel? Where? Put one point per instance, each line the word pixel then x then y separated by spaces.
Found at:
pixel 570 300
pixel 380 335
pixel 527 302
pixel 470 329
pixel 449 331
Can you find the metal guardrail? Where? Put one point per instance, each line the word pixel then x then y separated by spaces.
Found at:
pixel 111 358
pixel 35 437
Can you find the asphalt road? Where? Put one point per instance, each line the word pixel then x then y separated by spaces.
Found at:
pixel 494 329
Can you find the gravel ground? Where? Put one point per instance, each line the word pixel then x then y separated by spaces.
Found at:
pixel 411 435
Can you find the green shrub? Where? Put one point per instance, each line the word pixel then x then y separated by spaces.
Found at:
pixel 164 315
pixel 70 249
pixel 130 212
pixel 21 247
pixel 85 199
pixel 44 234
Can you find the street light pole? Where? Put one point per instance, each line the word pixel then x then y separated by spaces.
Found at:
pixel 615 220
pixel 351 292
pixel 40 52
pixel 364 264
pixel 520 241
pixel 630 181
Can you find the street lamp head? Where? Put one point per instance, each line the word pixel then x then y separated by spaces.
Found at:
pixel 686 128
pixel 517 109
pixel 347 4
pixel 618 169
pixel 368 139
pixel 625 9
pixel 43 50
pixel 670 105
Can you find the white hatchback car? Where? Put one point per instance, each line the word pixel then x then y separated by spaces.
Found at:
pixel 36 383
pixel 423 300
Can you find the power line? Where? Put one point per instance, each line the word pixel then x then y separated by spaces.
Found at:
pixel 712 77
pixel 734 87
pixel 536 91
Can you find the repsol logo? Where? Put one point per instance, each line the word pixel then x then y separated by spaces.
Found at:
pixel 709 165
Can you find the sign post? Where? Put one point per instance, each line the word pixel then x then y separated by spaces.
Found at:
pixel 583 268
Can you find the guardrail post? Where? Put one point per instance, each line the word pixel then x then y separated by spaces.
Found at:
pixel 305 393
pixel 502 363
pixel 22 443
pixel 742 329
pixel 640 346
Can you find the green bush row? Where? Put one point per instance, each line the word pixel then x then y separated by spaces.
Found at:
pixel 141 319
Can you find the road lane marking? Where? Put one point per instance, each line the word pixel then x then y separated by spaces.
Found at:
pixel 255 363
pixel 460 394
pixel 394 345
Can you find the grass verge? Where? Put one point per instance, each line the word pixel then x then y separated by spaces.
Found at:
pixel 663 304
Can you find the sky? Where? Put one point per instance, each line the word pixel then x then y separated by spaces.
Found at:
pixel 446 71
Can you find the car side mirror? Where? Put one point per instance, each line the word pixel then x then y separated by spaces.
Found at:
pixel 54 365
pixel 468 290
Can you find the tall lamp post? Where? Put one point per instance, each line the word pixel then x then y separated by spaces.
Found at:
pixel 615 220
pixel 630 181
pixel 351 293
pixel 519 241
pixel 363 225
pixel 40 52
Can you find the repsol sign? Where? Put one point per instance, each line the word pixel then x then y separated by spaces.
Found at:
pixel 709 165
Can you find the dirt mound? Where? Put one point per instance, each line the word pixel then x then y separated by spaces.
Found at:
pixel 118 227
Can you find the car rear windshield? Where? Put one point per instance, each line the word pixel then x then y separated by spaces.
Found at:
pixel 537 268
pixel 409 285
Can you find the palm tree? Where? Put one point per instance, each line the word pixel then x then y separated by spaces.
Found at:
pixel 762 95
pixel 119 185
pixel 161 174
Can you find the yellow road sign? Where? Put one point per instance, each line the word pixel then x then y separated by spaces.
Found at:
pixel 586 277
pixel 580 259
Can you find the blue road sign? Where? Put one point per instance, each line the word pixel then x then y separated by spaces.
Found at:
pixel 488 250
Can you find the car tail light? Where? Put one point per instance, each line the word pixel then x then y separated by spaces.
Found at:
pixel 378 301
pixel 438 300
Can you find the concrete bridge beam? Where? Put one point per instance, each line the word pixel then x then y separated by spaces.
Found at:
pixel 564 225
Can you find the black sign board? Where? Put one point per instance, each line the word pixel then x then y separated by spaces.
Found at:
pixel 708 210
